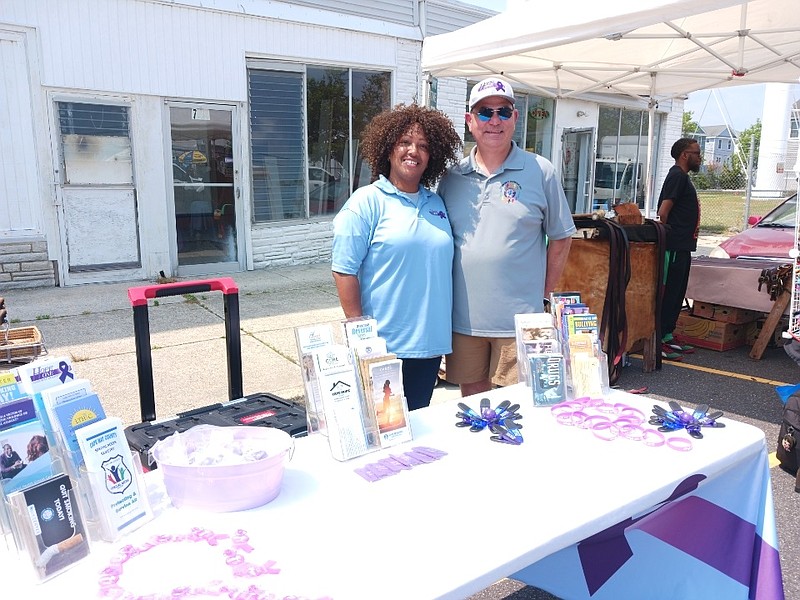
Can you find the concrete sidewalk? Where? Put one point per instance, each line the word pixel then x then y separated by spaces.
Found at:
pixel 93 325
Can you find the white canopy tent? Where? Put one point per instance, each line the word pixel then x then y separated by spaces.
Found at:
pixel 650 50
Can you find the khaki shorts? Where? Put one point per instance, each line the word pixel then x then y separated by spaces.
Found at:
pixel 479 358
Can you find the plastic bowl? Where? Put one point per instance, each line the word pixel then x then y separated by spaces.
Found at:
pixel 246 469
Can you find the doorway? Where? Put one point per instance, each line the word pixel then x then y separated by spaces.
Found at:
pixel 204 189
pixel 96 191
pixel 577 159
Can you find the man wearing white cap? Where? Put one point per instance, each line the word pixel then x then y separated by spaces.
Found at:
pixel 512 229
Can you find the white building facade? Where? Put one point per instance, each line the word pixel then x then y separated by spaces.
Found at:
pixel 194 138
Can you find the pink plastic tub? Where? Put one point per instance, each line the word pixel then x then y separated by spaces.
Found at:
pixel 223 469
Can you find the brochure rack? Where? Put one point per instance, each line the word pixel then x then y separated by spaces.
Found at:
pixel 354 391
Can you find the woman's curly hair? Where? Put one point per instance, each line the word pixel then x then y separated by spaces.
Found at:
pixel 385 129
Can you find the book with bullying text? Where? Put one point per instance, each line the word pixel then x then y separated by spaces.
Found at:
pixel 582 323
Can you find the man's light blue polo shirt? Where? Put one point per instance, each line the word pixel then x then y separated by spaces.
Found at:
pixel 402 253
pixel 500 226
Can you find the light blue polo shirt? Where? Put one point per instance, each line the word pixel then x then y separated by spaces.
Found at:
pixel 500 227
pixel 402 253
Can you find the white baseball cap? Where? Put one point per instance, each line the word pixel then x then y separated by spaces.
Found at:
pixel 490 87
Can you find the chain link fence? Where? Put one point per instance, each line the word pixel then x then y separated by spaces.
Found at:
pixel 729 197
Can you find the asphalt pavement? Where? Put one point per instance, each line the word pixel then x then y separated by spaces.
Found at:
pixel 93 325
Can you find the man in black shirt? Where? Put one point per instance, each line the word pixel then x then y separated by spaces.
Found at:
pixel 679 210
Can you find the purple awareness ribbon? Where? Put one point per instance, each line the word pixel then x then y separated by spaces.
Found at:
pixel 65 372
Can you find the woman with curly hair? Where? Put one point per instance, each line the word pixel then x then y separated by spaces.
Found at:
pixel 392 243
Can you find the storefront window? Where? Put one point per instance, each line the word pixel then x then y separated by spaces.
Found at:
pixel 534 129
pixel 621 156
pixel 539 134
pixel 339 104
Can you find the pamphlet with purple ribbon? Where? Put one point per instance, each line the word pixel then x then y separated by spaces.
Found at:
pixel 42 374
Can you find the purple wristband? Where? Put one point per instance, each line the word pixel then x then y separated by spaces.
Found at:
pixel 592 420
pixel 631 412
pixel 605 430
pixel 680 444
pixel 560 409
pixel 632 432
pixel 654 438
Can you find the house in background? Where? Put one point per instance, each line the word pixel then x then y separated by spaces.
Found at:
pixel 213 136
pixel 720 145
pixel 699 134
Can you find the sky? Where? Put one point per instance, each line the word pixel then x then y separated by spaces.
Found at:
pixel 739 106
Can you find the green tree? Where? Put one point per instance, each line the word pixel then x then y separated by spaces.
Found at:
pixel 689 127
pixel 751 133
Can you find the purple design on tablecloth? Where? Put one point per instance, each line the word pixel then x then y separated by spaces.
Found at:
pixel 699 528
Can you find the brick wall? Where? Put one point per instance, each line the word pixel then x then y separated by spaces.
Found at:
pixel 24 264
pixel 303 243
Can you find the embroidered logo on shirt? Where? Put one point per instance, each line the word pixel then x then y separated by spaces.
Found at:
pixel 438 213
pixel 510 191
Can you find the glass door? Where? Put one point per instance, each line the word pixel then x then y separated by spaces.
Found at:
pixel 204 189
pixel 577 158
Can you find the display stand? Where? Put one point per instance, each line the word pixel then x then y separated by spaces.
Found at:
pixel 589 271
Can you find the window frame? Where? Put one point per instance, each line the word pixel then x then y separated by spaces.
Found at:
pixel 302 70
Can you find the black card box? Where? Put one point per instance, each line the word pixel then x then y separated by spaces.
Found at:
pixel 262 409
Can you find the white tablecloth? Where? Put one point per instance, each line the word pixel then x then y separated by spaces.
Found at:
pixel 486 511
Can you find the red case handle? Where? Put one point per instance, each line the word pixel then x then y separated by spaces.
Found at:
pixel 139 295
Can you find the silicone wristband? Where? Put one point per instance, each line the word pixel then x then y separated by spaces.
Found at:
pixel 578 418
pixel 632 432
pixel 605 407
pixel 565 418
pixel 630 411
pixel 654 438
pixel 605 431
pixel 592 420
pixel 595 402
pixel 679 444
pixel 560 408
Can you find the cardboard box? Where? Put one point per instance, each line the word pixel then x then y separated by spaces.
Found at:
pixel 708 333
pixel 776 340
pixel 726 314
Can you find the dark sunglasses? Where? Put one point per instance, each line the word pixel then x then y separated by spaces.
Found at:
pixel 486 113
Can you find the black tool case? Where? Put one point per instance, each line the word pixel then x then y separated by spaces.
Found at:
pixel 261 409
